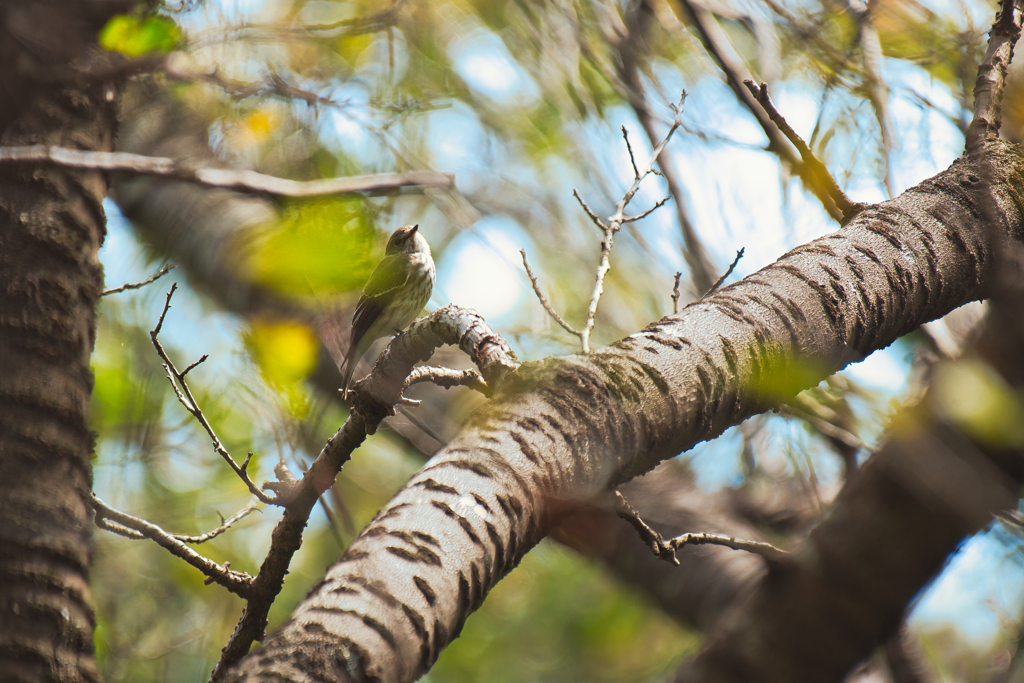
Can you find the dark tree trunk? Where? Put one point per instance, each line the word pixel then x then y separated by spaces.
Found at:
pixel 51 226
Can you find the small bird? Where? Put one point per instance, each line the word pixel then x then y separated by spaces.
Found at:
pixel 396 292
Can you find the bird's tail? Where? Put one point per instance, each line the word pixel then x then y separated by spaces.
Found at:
pixel 347 368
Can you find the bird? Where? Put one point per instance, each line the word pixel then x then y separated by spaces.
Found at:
pixel 396 292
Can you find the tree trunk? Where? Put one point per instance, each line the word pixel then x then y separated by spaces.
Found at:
pixel 51 225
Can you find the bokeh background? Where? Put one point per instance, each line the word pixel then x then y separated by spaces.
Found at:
pixel 523 102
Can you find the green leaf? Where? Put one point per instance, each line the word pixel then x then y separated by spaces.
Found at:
pixel 130 36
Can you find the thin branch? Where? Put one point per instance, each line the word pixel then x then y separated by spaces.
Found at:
pixel 631 46
pixel 593 216
pixel 848 208
pixel 632 159
pixel 448 378
pixel 675 293
pixel 220 177
pixel 765 550
pixel 666 550
pixel 543 300
pixel 732 267
pixel 185 397
pixel 224 526
pixel 652 538
pixel 160 273
pixel 649 211
pixel 991 81
pixel 118 522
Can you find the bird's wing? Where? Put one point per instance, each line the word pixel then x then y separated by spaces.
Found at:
pixel 387 279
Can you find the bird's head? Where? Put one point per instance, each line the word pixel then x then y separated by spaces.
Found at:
pixel 406 240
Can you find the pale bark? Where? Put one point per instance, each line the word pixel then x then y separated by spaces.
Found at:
pixel 561 431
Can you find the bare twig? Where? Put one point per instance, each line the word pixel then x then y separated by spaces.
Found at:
pixel 675 293
pixel 224 525
pixel 616 221
pixel 848 208
pixel 666 550
pixel 117 522
pixel 185 397
pixel 220 177
pixel 629 148
pixel 765 550
pixel 448 378
pixel 991 81
pixel 649 211
pixel 543 300
pixel 732 267
pixel 159 274
pixel 648 535
pixel 593 216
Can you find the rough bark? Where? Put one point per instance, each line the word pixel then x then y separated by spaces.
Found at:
pixel 51 226
pixel 563 430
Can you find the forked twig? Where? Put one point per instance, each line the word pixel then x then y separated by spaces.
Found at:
pixel 185 397
pixel 616 221
pixel 666 550
pixel 123 524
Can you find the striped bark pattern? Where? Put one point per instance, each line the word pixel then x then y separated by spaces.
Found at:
pixel 562 430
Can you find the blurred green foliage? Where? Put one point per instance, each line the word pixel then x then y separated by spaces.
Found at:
pixel 517 155
pixel 134 36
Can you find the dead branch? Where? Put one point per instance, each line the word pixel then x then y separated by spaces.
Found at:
pixel 616 221
pixel 185 397
pixel 666 550
pixel 543 299
pixel 251 181
pixel 123 524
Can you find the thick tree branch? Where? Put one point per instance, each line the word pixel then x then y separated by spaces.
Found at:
pixel 375 397
pixel 561 431
pixel 250 181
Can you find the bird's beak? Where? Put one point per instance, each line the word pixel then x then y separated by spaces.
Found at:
pixel 414 228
